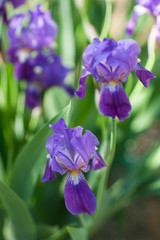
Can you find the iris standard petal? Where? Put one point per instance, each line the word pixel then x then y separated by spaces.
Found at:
pixel 79 198
pixel 49 174
pixel 66 134
pixel 143 74
pixel 114 101
pixel 85 145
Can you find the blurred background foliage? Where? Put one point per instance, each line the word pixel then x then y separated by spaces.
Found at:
pixel 30 209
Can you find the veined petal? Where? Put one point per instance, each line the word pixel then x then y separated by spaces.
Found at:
pixel 143 74
pixel 49 174
pixel 85 145
pixel 79 198
pixel 57 166
pixel 114 101
pixel 65 159
pixel 98 162
pixel 81 91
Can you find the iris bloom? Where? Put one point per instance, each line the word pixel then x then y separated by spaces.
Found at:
pixel 70 153
pixel 41 72
pixel 30 34
pixel 111 62
pixel 145 6
pixel 31 31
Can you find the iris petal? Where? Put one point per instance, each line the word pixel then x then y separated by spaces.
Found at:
pixel 49 174
pixel 85 145
pixel 98 162
pixel 143 74
pixel 79 198
pixel 81 91
pixel 114 101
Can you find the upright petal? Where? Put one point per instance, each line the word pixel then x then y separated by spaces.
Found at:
pixel 85 145
pixel 79 198
pixel 49 174
pixel 114 101
pixel 82 81
pixel 143 74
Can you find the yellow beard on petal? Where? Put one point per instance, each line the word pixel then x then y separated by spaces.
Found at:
pixel 75 177
pixel 112 82
pixel 112 85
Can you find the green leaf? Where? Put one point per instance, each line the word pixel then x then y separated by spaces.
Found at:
pixel 77 233
pixel 32 158
pixel 22 221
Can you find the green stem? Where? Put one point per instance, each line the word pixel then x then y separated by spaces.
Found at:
pixel 110 157
pixel 105 173
pixel 107 20
pixel 82 220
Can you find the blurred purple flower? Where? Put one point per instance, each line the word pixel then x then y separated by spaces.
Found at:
pixel 70 152
pixel 34 30
pixel 42 72
pixel 15 3
pixel 145 6
pixel 32 37
pixel 111 62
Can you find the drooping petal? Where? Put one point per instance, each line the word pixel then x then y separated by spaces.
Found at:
pixel 24 71
pixel 81 91
pixel 79 198
pixel 49 174
pixel 33 96
pixel 98 162
pixel 114 101
pixel 85 145
pixel 143 74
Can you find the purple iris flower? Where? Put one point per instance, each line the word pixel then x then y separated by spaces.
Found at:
pixel 110 62
pixel 70 153
pixel 41 72
pixel 34 30
pixel 32 37
pixel 145 6
pixel 15 3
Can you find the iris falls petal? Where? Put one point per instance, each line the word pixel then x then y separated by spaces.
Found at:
pixel 143 74
pixel 114 101
pixel 49 174
pixel 79 198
